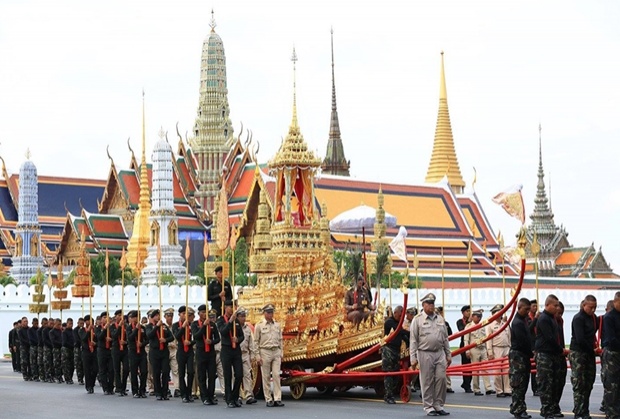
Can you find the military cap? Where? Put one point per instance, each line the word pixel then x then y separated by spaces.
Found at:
pixel 212 313
pixel 190 311
pixel 132 314
pixel 496 308
pixel 465 308
pixel 241 311
pixel 154 313
pixel 412 310
pixel 218 269
pixel 439 309
pixel 269 308
pixel 182 309
pixel 202 307
pixel 477 313
pixel 428 298
pixel 86 318
pixel 104 314
pixel 117 312
pixel 169 311
pixel 228 303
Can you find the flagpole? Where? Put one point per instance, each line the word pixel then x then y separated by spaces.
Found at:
pixel 123 264
pixel 501 255
pixel 469 258
pixel 187 255
pixel 390 285
pixel 107 297
pixel 443 283
pixel 536 252
pixel 138 282
pixel 415 267
pixel 205 253
pixel 161 327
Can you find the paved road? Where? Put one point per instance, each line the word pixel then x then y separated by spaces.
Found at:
pixel 38 400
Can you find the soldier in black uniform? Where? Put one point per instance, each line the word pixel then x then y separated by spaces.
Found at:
pixel 48 351
pixel 55 335
pixel 24 350
pixel 460 324
pixel 185 351
pixel 36 350
pixel 216 294
pixel 610 361
pixel 136 347
pixel 14 347
pixel 68 346
pixel 206 336
pixel 519 359
pixel 390 353
pixel 89 354
pixel 120 360
pixel 231 335
pixel 159 336
pixel 77 352
pixel 532 320
pixel 104 354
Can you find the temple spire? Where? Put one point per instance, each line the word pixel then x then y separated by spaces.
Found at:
pixel 294 123
pixel 443 159
pixel 335 162
pixel 137 248
pixel 542 217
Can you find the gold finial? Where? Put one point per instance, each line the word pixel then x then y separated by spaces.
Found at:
pixel 294 59
pixel 470 254
pixel 535 245
pixel 473 183
pixel 28 153
pixel 143 132
pixel 442 83
pixel 212 24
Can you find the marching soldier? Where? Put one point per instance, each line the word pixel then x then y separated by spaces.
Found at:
pixel 268 334
pixel 611 359
pixel 104 354
pixel 48 351
pixel 583 347
pixel 45 351
pixel 56 340
pixel 519 359
pixel 231 336
pixel 120 360
pixel 172 356
pixel 390 353
pixel 77 352
pixel 478 353
pixel 430 350
pixel 550 354
pixel 206 336
pixel 217 295
pixel 608 308
pixel 14 347
pixel 25 351
pixel 36 350
pixel 159 356
pixel 249 352
pixel 136 350
pixel 185 352
pixel 497 348
pixel 532 321
pixel 89 354
pixel 68 345
pixel 461 324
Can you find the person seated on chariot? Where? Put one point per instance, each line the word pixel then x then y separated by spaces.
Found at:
pixel 358 302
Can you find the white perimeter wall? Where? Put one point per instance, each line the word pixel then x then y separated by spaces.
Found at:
pixel 14 301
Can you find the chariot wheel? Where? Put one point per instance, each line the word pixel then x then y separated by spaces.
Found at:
pixel 297 389
pixel 325 390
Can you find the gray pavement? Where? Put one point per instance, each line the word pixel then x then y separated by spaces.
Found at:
pixel 38 400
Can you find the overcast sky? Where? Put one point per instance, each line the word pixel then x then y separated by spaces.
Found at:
pixel 72 73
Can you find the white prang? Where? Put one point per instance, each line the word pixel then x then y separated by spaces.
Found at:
pixel 163 221
pixel 27 260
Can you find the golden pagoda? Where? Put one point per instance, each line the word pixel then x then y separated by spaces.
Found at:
pixel 137 248
pixel 443 159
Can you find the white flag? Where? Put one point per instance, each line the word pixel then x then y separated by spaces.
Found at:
pixel 398 245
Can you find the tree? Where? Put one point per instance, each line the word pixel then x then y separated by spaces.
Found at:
pixel 7 280
pixel 241 262
pixel 98 271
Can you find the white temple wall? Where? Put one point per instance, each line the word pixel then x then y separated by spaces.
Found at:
pixel 14 301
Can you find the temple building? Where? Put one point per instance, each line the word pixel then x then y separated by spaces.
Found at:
pixel 164 251
pixel 335 163
pixel 27 258
pixel 556 256
pixel 213 131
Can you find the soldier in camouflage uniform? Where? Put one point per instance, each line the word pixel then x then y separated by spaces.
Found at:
pixel 583 346
pixel 68 345
pixel 24 349
pixel 77 352
pixel 48 359
pixel 41 351
pixel 390 353
pixel 611 360
pixel 56 340
pixel 519 359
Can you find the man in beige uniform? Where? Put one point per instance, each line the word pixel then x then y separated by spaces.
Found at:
pixel 172 350
pixel 498 347
pixel 477 353
pixel 268 337
pixel 430 351
pixel 248 353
